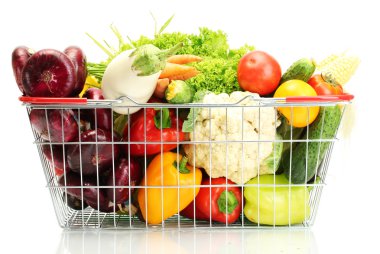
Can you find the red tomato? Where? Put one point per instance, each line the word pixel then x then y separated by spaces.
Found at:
pixel 258 72
pixel 323 87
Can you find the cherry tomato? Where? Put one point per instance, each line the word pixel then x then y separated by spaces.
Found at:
pixel 323 87
pixel 298 116
pixel 258 72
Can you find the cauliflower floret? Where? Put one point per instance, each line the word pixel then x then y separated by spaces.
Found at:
pixel 232 140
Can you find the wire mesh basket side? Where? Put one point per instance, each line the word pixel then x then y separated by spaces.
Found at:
pixel 237 133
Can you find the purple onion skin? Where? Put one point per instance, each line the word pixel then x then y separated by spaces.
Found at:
pixel 49 73
pixel 57 158
pixel 53 125
pixel 106 207
pixel 20 56
pixel 95 157
pixel 125 174
pixel 103 116
pixel 79 60
pixel 91 192
pixel 94 94
pixel 74 202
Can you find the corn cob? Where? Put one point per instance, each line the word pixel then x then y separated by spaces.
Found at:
pixel 327 61
pixel 338 69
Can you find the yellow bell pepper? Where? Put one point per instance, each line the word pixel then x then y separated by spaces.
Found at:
pixel 91 81
pixel 159 203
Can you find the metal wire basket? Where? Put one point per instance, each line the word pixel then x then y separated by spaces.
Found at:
pixel 86 191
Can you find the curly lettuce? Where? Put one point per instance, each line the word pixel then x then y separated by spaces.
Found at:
pixel 217 75
pixel 206 43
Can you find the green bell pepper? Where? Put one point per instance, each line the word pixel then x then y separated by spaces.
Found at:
pixel 271 204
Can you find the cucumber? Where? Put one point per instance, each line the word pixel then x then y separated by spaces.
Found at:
pixel 270 164
pixel 307 156
pixel 287 132
pixel 302 69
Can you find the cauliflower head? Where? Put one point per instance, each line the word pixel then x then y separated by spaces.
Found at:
pixel 233 141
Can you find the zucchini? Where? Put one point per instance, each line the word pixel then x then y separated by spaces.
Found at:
pixel 307 156
pixel 302 69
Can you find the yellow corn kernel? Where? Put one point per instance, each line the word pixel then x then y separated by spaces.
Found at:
pixel 327 61
pixel 339 68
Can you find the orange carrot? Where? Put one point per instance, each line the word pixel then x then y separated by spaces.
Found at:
pixel 178 72
pixel 161 86
pixel 183 59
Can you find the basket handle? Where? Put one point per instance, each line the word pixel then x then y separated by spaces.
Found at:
pixel 52 100
pixel 289 99
pixel 320 98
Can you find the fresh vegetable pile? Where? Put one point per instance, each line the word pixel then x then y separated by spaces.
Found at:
pixel 205 163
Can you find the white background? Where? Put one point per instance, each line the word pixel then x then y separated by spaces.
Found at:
pixel 347 220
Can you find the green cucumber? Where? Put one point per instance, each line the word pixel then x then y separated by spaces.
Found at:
pixel 271 163
pixel 302 69
pixel 307 156
pixel 287 132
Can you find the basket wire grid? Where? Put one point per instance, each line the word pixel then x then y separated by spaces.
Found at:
pixel 91 217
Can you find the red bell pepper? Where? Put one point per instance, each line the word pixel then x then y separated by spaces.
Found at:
pixel 155 125
pixel 225 203
pixel 188 212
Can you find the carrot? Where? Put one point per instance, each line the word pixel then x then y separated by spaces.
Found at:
pixel 183 59
pixel 178 72
pixel 161 86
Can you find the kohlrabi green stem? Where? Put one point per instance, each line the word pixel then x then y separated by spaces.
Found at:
pixel 149 59
pixel 109 53
pixel 97 70
pixel 118 36
pixel 164 54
